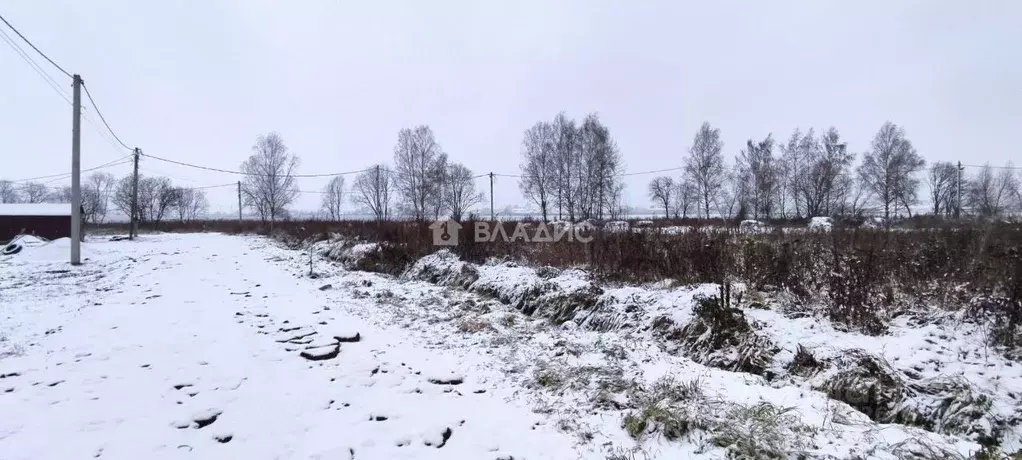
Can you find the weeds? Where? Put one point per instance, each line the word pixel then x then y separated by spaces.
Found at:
pixel 474 325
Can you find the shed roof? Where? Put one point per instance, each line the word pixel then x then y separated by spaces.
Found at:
pixel 35 209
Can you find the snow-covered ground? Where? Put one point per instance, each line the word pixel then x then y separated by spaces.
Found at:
pixel 212 346
pixel 177 346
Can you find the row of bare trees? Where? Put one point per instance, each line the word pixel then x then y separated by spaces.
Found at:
pixel 96 190
pixel 816 176
pixel 572 168
pixel 158 198
pixel 423 181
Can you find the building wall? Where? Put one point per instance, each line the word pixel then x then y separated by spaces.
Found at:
pixel 50 227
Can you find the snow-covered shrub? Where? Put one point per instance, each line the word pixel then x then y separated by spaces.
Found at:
pixel 444 268
pixel 752 226
pixel 952 405
pixel 719 335
pixel 1003 319
pixel 616 226
pixel 822 224
pixel 866 382
pixel 678 409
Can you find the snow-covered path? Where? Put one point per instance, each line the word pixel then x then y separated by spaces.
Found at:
pixel 187 346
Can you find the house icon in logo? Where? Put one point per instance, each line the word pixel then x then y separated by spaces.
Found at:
pixel 445 232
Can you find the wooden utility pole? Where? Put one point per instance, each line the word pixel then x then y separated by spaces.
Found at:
pixel 133 230
pixel 491 198
pixel 239 201
pixel 76 167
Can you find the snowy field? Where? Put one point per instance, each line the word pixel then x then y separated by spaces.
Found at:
pixel 213 346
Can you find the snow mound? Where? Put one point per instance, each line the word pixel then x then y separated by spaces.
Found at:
pixel 753 226
pixel 823 224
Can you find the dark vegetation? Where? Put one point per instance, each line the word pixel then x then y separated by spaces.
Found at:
pixel 864 276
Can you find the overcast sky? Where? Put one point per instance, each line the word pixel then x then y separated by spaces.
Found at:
pixel 197 81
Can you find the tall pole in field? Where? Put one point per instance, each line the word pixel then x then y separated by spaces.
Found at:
pixel 491 198
pixel 239 201
pixel 133 226
pixel 76 169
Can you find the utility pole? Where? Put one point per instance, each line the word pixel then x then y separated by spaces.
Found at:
pixel 958 209
pixel 76 170
pixel 491 198
pixel 133 230
pixel 239 201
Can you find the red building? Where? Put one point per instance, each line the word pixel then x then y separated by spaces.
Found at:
pixel 48 220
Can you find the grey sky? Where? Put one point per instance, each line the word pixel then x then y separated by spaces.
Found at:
pixel 197 81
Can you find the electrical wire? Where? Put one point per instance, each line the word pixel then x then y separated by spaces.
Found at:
pixel 34 47
pixel 116 162
pixel 101 117
pixel 242 173
pixel 35 67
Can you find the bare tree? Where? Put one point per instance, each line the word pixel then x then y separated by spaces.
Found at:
pixel 597 165
pixel 34 192
pixel 91 201
pixel 269 185
pixel 8 192
pixel 333 197
pixel 438 186
pixel 372 190
pixel 887 171
pixel 417 157
pixel 828 168
pixel 685 196
pixel 661 192
pixel 565 158
pixel 704 167
pixel 991 193
pixel 101 184
pixel 758 175
pixel 191 204
pixel 943 181
pixel 460 192
pixel 156 196
pixel 539 166
pixel 121 196
pixel 732 197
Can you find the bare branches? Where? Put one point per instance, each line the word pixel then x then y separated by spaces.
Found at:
pixel 8 192
pixel 704 167
pixel 460 190
pixel 372 190
pixel 539 166
pixel 759 175
pixel 191 204
pixel 887 170
pixel 990 193
pixel 417 161
pixel 269 185
pixel 943 181
pixel 661 191
pixel 333 197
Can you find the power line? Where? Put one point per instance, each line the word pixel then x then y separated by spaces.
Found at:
pixel 117 162
pixel 35 67
pixel 101 117
pixel 242 173
pixel 34 47
pixel 49 80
